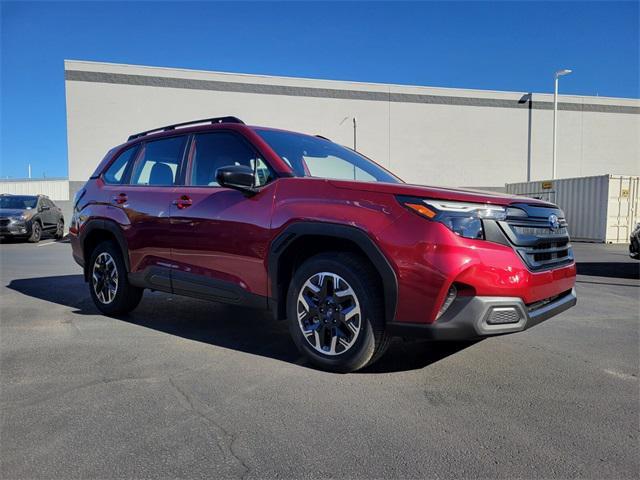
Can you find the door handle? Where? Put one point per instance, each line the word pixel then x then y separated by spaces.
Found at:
pixel 183 202
pixel 120 198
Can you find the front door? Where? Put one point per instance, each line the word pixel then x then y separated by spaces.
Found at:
pixel 219 235
pixel 46 214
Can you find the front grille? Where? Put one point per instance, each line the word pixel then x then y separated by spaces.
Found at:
pixel 546 254
pixel 537 231
pixel 539 244
pixel 4 222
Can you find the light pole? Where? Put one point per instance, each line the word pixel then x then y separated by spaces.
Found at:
pixel 355 128
pixel 558 74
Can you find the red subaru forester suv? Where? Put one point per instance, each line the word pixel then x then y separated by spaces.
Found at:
pixel 319 235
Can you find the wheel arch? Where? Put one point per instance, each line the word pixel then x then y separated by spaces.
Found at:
pixel 96 231
pixel 302 239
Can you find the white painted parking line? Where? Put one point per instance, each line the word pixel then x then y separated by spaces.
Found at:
pixel 45 244
pixel 621 375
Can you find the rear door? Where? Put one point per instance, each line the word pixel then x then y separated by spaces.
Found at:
pixel 144 188
pixel 220 235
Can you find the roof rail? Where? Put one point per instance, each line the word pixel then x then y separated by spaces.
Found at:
pixel 184 124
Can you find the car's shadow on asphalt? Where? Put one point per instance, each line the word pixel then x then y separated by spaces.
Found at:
pixel 247 330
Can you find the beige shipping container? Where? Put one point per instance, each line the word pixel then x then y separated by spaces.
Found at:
pixel 55 189
pixel 603 208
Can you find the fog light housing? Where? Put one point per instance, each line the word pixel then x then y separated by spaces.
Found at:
pixel 451 296
pixel 503 315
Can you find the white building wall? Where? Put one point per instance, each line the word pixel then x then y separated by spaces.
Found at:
pixel 54 189
pixel 435 136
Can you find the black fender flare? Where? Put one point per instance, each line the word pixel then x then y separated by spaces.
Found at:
pixel 109 226
pixel 354 234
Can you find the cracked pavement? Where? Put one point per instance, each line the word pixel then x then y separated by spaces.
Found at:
pixel 188 389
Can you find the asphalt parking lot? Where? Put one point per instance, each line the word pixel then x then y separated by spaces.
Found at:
pixel 190 389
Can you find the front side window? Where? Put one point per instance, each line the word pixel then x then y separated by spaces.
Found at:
pixel 212 151
pixel 158 164
pixel 316 157
pixel 115 173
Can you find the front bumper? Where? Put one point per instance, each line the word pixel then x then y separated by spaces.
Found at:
pixel 15 229
pixel 476 317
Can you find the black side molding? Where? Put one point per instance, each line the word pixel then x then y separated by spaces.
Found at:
pixel 296 230
pixel 213 289
pixel 165 279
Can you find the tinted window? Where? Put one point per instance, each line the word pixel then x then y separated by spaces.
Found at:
pixel 214 150
pixel 159 162
pixel 316 157
pixel 115 172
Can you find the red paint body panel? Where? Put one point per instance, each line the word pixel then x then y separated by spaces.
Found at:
pixel 429 258
pixel 451 194
pixel 226 235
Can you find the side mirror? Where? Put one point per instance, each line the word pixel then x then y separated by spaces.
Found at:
pixel 239 177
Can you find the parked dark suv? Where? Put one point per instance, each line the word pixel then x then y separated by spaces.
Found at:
pixel 29 216
pixel 320 235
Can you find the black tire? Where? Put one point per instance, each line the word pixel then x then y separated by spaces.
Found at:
pixel 36 232
pixel 59 230
pixel 126 296
pixel 372 340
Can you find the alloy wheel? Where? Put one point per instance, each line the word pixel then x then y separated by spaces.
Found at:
pixel 329 313
pixel 105 278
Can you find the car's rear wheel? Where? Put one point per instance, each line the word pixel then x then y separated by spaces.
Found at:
pixel 59 230
pixel 36 232
pixel 335 312
pixel 108 282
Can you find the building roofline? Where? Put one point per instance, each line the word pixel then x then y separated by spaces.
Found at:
pixel 338 83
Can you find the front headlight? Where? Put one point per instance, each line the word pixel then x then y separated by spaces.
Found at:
pixel 464 219
pixel 18 218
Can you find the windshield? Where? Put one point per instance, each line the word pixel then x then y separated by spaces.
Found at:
pixel 317 157
pixel 18 202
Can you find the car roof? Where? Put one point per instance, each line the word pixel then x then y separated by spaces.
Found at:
pixel 185 128
pixel 22 195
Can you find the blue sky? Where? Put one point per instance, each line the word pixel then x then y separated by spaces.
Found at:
pixel 498 46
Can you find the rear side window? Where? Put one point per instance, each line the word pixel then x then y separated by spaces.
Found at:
pixel 221 149
pixel 115 172
pixel 158 164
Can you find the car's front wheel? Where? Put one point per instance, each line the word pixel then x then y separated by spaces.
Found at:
pixel 335 312
pixel 36 232
pixel 108 282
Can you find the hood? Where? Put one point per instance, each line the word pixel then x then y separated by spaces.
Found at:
pixel 440 193
pixel 11 212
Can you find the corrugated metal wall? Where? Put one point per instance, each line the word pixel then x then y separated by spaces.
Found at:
pixel 55 189
pixel 603 208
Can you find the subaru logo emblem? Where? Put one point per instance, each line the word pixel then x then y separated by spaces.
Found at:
pixel 554 223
